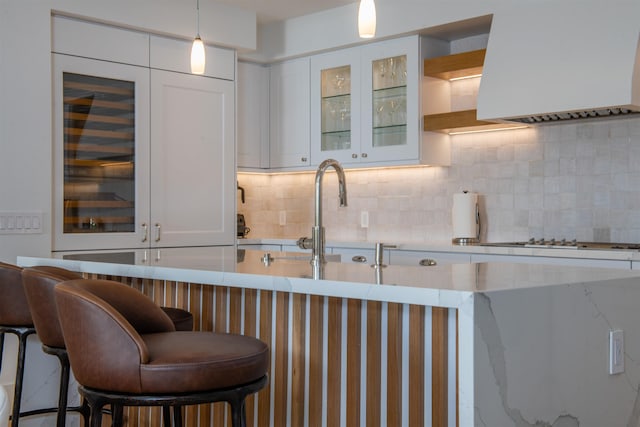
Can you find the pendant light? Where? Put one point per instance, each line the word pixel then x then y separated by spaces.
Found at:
pixel 367 19
pixel 197 50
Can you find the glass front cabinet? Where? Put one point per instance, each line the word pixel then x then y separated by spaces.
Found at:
pixel 101 136
pixel 365 103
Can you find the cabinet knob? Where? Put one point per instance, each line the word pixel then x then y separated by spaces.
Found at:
pixel 364 155
pixel 354 156
pixel 303 159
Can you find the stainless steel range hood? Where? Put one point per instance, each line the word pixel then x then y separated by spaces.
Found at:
pixel 554 61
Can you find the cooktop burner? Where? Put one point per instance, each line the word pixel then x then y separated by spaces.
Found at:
pixel 567 244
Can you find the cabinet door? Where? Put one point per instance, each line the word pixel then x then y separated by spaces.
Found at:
pixel 101 147
pixel 289 106
pixel 390 96
pixel 424 258
pixel 335 106
pixel 253 115
pixel 193 180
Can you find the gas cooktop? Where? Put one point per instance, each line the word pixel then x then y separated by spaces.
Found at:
pixel 567 244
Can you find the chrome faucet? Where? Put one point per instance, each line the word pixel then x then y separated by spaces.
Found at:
pixel 316 242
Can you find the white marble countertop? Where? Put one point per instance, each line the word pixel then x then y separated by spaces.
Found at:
pixel 440 285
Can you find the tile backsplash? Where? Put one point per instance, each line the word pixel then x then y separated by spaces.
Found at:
pixel 579 180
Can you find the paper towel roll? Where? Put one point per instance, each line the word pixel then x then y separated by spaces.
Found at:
pixel 464 216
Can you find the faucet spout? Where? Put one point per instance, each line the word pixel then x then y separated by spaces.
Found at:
pixel 317 237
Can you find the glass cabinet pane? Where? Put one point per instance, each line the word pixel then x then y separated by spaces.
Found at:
pixel 336 108
pixel 99 154
pixel 389 101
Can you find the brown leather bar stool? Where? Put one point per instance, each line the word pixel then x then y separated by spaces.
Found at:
pixel 155 364
pixel 15 318
pixel 39 284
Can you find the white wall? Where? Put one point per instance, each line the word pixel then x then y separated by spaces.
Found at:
pixel 25 88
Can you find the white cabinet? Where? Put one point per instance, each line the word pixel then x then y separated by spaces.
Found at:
pixel 365 104
pixel 253 116
pixel 424 258
pixel 390 101
pixel 192 160
pixel 289 114
pixel 335 106
pixel 142 157
pixel 358 256
pixel 576 262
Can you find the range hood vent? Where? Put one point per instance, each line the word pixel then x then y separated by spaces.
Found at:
pixel 575 115
pixel 562 62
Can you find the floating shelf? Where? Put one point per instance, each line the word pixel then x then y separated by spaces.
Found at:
pixel 449 67
pixel 460 121
pixel 455 66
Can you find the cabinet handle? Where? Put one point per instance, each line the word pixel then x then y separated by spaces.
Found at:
pixel 354 156
pixel 364 155
pixel 157 232
pixel 303 159
pixel 428 262
pixel 145 233
pixel 359 258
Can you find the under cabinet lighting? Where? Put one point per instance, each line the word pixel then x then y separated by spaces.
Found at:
pixel 464 132
pixel 473 76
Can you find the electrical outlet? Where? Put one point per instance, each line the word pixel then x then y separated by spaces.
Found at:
pixel 616 352
pixel 283 218
pixel 364 219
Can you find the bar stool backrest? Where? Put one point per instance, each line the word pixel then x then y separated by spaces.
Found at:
pixel 14 308
pixel 39 285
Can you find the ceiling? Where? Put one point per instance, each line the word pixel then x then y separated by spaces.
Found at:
pixel 277 10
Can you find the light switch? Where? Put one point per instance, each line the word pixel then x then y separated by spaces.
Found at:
pixel 20 222
pixel 35 222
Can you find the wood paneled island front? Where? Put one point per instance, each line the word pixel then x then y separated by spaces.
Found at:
pixel 462 344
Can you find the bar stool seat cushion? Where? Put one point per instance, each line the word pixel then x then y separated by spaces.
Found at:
pixel 182 362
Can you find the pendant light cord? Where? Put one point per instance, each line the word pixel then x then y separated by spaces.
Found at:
pixel 198 18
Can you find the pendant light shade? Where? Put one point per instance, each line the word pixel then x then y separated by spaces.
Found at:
pixel 197 56
pixel 367 19
pixel 197 49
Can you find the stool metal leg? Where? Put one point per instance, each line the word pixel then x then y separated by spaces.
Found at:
pixel 177 416
pixel 63 390
pixel 237 413
pixel 17 394
pixel 1 348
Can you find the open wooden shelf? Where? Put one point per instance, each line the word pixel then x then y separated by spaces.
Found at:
pixel 455 66
pixel 449 67
pixel 456 121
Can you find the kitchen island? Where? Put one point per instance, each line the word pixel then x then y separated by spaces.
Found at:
pixel 485 344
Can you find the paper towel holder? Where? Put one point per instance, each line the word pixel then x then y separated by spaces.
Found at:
pixel 470 240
